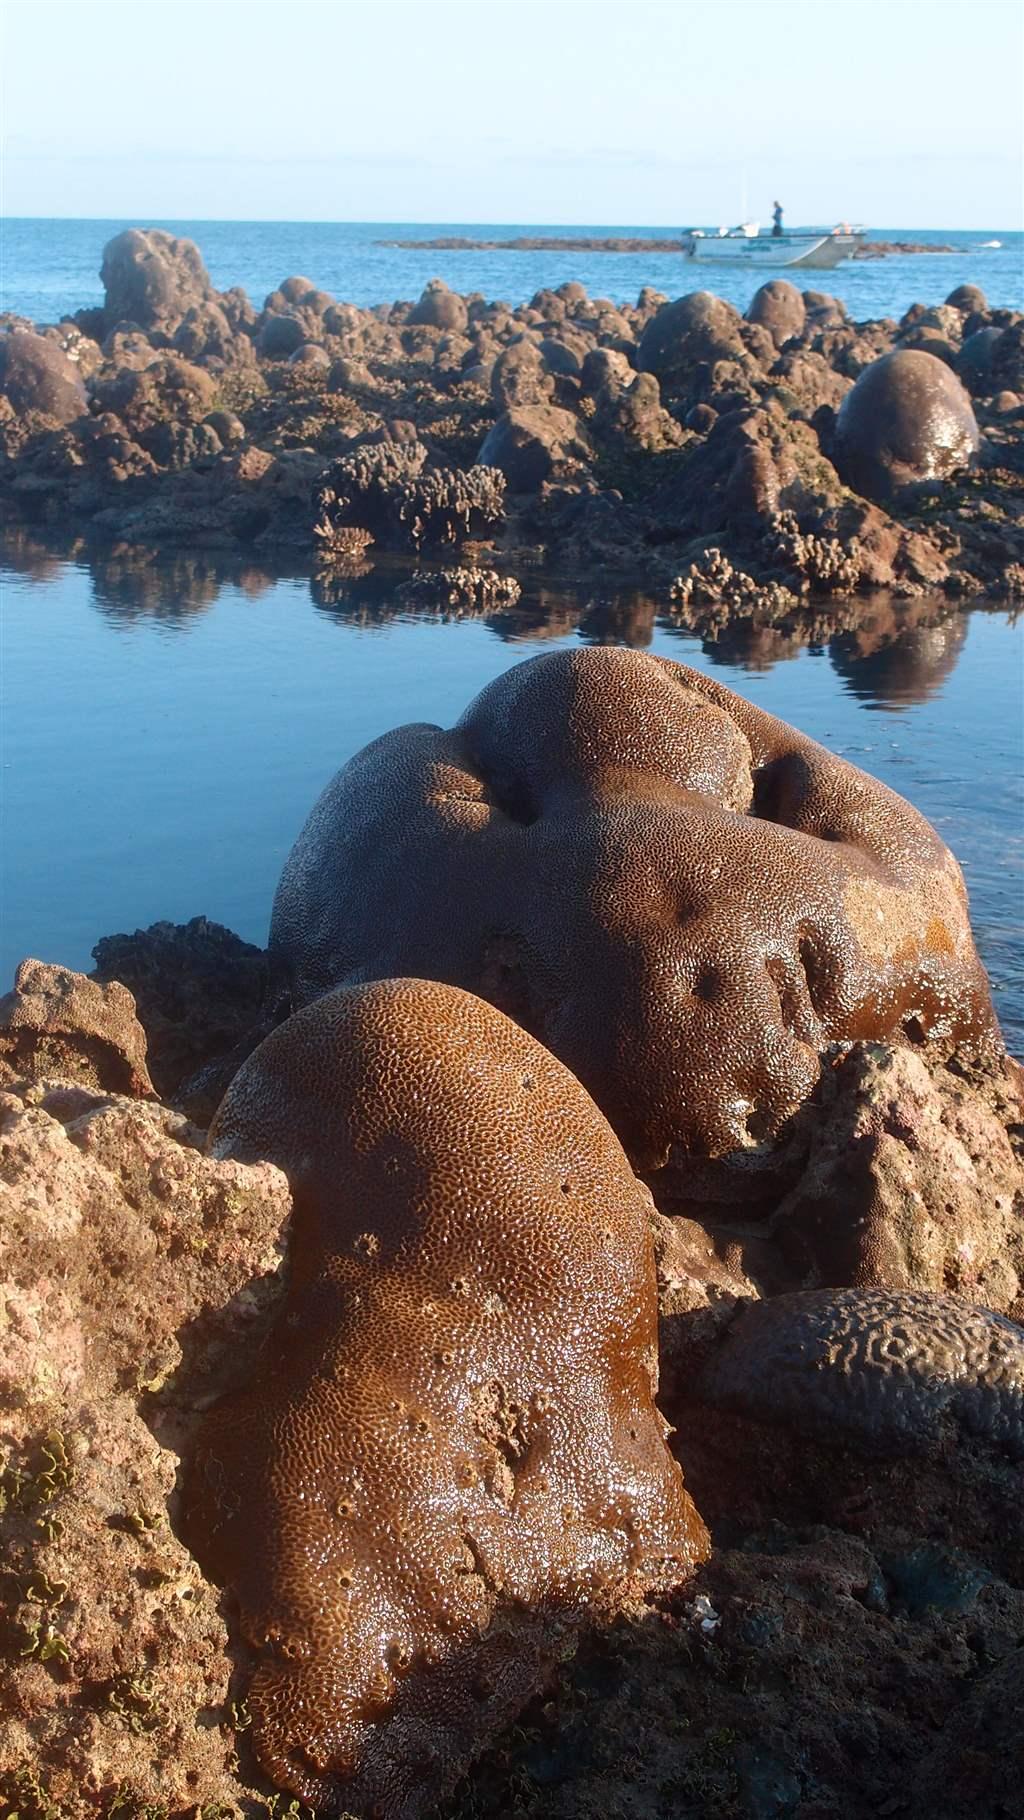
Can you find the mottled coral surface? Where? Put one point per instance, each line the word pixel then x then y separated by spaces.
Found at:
pixel 450 1453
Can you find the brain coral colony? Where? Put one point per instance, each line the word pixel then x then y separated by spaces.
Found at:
pixel 683 898
pixel 452 1452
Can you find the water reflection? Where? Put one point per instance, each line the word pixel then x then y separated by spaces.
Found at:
pixel 906 660
pixel 888 653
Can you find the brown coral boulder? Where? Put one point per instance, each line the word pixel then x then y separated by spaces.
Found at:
pixel 682 897
pixel 697 327
pixel 907 419
pixel 36 375
pixel 440 308
pixel 58 1023
pixel 168 389
pixel 451 1451
pixel 779 308
pixel 152 278
pixel 528 443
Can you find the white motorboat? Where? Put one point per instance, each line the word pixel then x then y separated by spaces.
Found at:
pixel 746 245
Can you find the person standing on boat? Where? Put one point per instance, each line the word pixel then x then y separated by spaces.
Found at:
pixel 776 220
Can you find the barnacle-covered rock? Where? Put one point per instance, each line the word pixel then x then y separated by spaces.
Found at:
pixel 685 899
pixel 392 490
pixel 451 1452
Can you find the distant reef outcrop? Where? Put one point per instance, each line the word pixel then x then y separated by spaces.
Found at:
pixel 771 455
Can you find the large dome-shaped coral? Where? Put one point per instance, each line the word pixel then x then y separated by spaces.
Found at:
pixel 451 1451
pixel 685 899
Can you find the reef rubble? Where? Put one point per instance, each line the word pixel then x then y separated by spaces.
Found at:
pixel 806 452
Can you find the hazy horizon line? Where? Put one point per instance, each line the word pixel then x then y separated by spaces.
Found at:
pixel 411 221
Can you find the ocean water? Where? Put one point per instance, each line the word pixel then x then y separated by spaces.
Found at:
pixel 49 269
pixel 168 721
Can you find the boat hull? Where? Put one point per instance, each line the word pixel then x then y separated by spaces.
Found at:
pixel 815 252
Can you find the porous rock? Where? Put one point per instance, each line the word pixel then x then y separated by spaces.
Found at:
pixel 697 327
pixel 199 992
pixel 36 375
pixel 451 1451
pixel 520 376
pixel 686 900
pixel 136 1276
pixel 59 1023
pixel 169 390
pixel 911 1183
pixel 753 465
pixel 907 419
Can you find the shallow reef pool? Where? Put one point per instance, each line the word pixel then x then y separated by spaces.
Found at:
pixel 168 721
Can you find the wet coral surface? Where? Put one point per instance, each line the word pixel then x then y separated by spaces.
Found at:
pixel 451 1451
pixel 139 1278
pixel 642 862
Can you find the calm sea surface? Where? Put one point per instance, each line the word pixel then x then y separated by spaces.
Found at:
pixel 50 268
pixel 168 722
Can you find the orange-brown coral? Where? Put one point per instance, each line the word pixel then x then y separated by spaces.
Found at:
pixel 683 898
pixel 451 1451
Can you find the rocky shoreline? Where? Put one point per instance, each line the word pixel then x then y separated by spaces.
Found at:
pixel 785 455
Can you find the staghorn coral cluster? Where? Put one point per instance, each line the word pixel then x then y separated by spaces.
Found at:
pixel 823 563
pixel 388 489
pixel 480 590
pixel 713 580
pixel 686 900
pixel 450 1453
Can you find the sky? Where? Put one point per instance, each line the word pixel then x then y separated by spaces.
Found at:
pixel 894 113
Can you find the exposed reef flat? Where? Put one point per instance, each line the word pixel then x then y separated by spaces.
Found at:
pixel 547 243
pixel 788 452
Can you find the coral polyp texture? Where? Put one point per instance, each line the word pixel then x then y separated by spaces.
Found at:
pixel 451 1454
pixel 686 900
